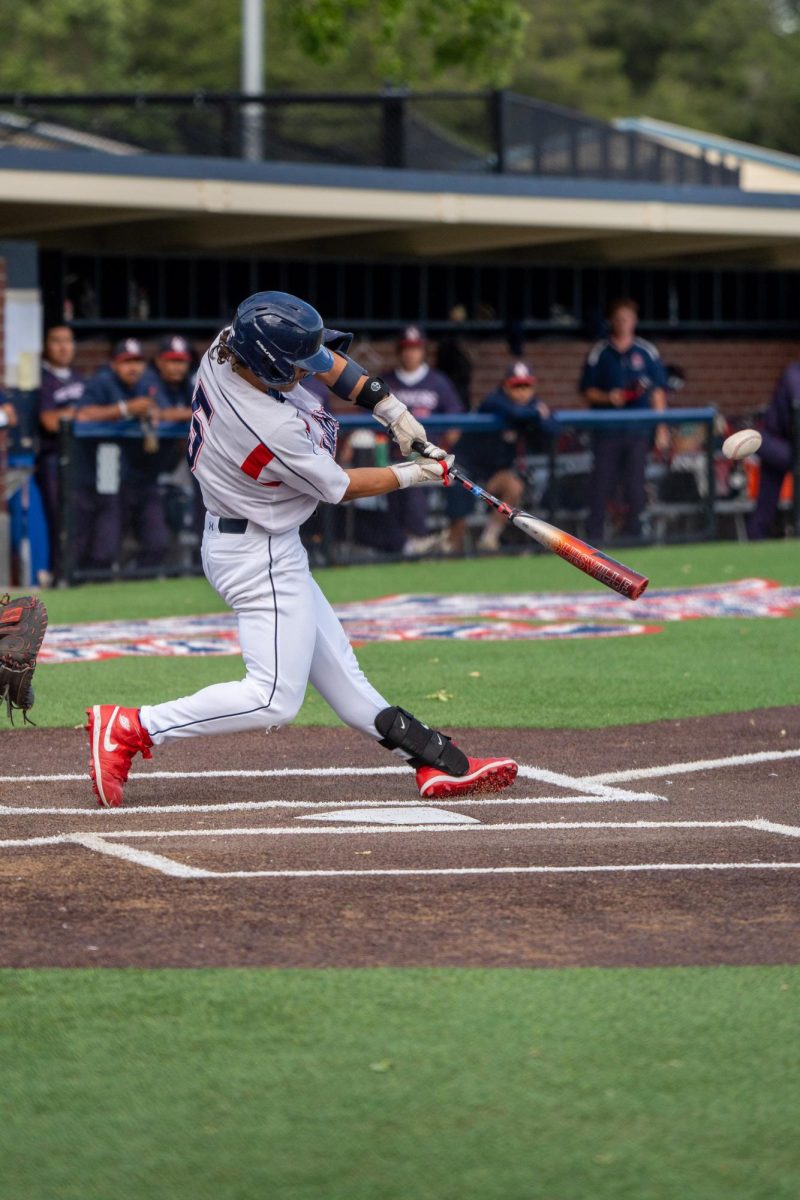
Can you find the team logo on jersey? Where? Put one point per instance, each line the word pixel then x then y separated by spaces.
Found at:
pixel 637 361
pixel 330 429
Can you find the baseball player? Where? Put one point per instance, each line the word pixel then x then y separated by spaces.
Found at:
pixel 262 449
pixel 61 389
pixel 622 371
pixel 424 391
pixel 166 382
pixel 113 394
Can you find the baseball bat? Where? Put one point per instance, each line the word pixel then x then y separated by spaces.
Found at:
pixel 586 558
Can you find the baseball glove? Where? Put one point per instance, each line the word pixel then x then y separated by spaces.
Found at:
pixel 23 623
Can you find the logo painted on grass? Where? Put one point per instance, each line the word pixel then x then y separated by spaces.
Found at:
pixel 482 617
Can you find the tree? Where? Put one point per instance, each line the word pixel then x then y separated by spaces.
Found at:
pixel 413 41
pixel 729 66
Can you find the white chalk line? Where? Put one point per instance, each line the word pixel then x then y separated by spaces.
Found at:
pixel 568 782
pixel 579 784
pixel 266 773
pixel 141 858
pixel 168 866
pixel 92 810
pixel 755 823
pixel 687 768
pixel 776 827
pixel 586 783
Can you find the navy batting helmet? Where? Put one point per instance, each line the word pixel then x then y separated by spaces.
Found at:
pixel 273 333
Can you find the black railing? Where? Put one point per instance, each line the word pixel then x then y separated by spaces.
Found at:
pixel 479 132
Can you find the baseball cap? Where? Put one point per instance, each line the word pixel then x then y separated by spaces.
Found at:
pixel 519 374
pixel 127 349
pixel 412 335
pixel 175 348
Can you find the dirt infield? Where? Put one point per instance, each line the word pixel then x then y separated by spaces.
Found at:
pixel 613 848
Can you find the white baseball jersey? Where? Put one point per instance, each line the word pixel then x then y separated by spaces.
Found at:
pixel 258 456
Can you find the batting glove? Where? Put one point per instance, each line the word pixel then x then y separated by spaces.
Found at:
pixel 404 428
pixel 423 472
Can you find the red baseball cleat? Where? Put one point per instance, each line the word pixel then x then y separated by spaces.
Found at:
pixel 484 775
pixel 115 736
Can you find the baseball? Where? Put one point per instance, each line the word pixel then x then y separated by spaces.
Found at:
pixel 741 444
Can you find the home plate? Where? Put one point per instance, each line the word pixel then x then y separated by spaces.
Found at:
pixel 409 815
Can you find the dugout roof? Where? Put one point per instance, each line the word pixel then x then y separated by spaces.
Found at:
pixel 91 201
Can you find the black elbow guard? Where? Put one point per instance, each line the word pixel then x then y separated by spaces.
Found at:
pixel 426 747
pixel 372 392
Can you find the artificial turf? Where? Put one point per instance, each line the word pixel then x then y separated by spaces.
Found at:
pixel 691 668
pixel 679 1084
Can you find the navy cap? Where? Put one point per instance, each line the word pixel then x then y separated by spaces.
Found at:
pixel 175 347
pixel 519 374
pixel 127 350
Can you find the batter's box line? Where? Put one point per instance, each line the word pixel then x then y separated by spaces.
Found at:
pixel 102 844
pixel 135 810
pixel 579 791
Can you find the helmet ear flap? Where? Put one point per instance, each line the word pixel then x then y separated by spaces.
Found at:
pixel 334 339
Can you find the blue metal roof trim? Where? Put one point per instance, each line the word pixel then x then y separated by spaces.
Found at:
pixel 176 167
pixel 650 127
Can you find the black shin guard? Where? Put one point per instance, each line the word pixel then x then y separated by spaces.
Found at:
pixel 427 747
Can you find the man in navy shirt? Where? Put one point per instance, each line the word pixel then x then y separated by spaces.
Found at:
pixel 622 371
pixel 167 381
pixel 776 454
pixel 60 391
pixel 170 375
pixel 113 394
pixel 424 391
pixel 492 459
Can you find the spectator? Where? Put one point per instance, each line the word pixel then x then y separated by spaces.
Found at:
pixel 144 510
pixel 424 391
pixel 168 379
pixel 60 391
pixel 492 459
pixel 777 450
pixel 622 372
pixel 112 395
pixel 30 552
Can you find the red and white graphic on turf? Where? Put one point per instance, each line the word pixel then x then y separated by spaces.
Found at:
pixel 529 617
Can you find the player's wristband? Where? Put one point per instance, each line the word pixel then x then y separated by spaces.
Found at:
pixel 123 410
pixel 373 391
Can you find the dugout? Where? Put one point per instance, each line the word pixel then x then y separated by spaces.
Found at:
pixel 149 213
pixel 139 214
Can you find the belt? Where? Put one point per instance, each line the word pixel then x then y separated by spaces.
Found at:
pixel 232 524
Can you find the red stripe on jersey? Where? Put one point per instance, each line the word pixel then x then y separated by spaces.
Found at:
pixel 256 460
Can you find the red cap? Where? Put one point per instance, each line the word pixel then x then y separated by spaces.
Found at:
pixel 412 335
pixel 175 348
pixel 520 374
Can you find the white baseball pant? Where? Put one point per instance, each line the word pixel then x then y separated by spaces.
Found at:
pixel 289 635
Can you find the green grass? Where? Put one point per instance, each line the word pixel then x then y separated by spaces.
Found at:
pixel 402 1085
pixel 692 668
pixel 421 1085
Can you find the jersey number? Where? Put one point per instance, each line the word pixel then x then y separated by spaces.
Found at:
pixel 200 404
